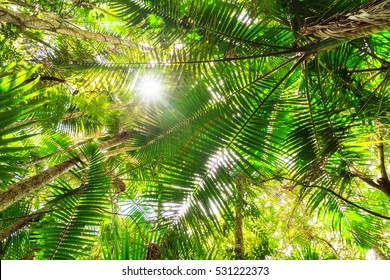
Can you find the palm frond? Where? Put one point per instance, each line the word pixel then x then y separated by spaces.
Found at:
pixel 75 221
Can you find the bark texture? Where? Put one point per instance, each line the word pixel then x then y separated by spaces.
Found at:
pixel 239 235
pixel 57 25
pixel 366 20
pixel 25 187
pixel 381 184
pixel 19 224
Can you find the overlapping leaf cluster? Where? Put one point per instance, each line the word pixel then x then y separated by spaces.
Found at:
pixel 248 93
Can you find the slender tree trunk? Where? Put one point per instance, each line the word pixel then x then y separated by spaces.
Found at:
pixel 57 25
pixel 24 220
pixel 238 233
pixel 25 187
pixel 60 152
pixel 20 223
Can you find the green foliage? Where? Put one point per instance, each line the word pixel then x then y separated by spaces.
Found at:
pixel 8 53
pixel 71 230
pixel 17 104
pixel 18 245
pixel 247 98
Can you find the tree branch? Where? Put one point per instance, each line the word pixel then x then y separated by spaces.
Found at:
pixel 337 195
pixel 363 177
pixel 57 25
pixel 330 246
pixel 383 185
pixel 349 202
pixel 47 78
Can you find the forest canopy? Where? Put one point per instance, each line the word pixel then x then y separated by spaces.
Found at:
pixel 218 129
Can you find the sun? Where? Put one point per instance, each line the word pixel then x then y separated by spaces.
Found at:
pixel 150 89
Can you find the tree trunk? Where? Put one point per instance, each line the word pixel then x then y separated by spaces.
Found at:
pixel 20 223
pixel 366 20
pixel 35 216
pixel 239 235
pixel 57 25
pixel 25 187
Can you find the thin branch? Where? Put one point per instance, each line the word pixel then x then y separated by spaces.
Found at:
pixel 330 246
pixel 337 195
pixel 385 80
pixel 47 78
pixel 368 50
pixel 60 152
pixel 238 232
pixel 32 36
pixel 363 177
pixel 119 151
pixel 382 69
pixel 291 54
pixel 383 186
pixel 349 202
